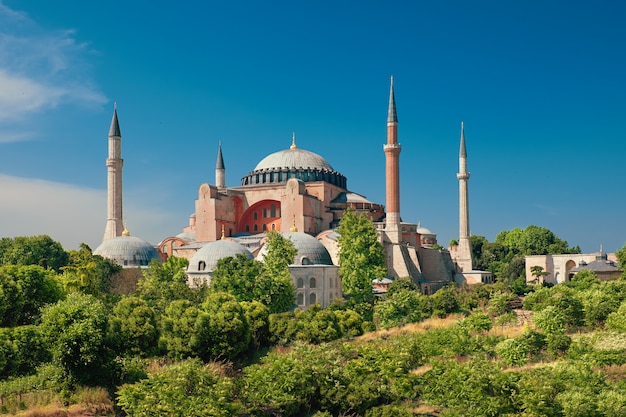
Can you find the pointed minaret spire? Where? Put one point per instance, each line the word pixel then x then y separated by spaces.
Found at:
pixel 462 151
pixel 114 163
pixel 391 113
pixel 464 250
pixel 220 169
pixel 392 172
pixel 114 130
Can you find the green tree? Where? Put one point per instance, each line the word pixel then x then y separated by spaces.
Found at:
pixel 477 243
pixel 222 330
pixel 258 317
pixel 24 290
pixel 75 329
pixel 165 282
pixel 88 273
pixel 583 280
pixel 133 327
pixel 401 307
pixel 182 390
pixel 538 272
pixel 33 250
pixel 361 258
pixel 616 321
pixel 444 301
pixel 178 328
pixel 400 285
pixel 534 240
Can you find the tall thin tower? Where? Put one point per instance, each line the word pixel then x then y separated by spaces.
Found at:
pixel 392 172
pixel 464 251
pixel 114 162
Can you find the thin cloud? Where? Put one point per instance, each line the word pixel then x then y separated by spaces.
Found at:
pixel 40 69
pixel 67 213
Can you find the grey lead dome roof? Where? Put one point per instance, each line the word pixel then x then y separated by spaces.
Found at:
pixel 310 250
pixel 294 158
pixel 127 251
pixel 213 252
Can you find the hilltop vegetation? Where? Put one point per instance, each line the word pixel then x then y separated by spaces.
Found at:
pixel 169 350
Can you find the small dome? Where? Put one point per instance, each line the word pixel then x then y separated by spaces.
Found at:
pixel 127 251
pixel 205 260
pixel 187 236
pixel 293 158
pixel 422 230
pixel 310 250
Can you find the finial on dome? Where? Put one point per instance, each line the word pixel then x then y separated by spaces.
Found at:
pixel 223 237
pixel 293 227
pixel 125 232
pixel 293 141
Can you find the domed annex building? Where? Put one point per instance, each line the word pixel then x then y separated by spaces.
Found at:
pixel 297 192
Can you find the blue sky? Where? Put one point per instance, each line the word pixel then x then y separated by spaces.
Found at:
pixel 540 86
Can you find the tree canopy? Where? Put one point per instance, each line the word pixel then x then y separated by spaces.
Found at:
pixel 361 257
pixel 268 282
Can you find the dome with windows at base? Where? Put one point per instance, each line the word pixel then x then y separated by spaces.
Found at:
pixel 293 163
pixel 127 251
pixel 205 260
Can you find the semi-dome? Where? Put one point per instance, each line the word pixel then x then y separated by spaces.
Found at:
pixel 293 163
pixel 127 251
pixel 205 260
pixel 310 250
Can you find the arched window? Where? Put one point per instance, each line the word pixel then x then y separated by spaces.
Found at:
pixel 312 298
pixel 312 283
pixel 247 228
pixel 265 213
pixel 273 226
pixel 300 299
pixel 255 215
pixel 256 227
pixel 201 266
pixel 273 210
pixel 305 261
pixel 300 283
pixel 264 227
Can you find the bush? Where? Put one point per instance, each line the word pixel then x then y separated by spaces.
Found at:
pixel 401 307
pixel 513 351
pixel 477 322
pixel 550 320
pixel 444 302
pixel 616 321
pixel 499 303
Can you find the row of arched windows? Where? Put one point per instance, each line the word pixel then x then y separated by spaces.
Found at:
pixel 300 298
pixel 311 284
pixel 255 227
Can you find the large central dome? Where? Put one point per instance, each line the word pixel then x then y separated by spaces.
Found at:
pixel 294 162
pixel 293 158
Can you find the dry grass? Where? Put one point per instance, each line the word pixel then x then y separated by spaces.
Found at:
pixel 87 402
pixel 422 326
pixel 419 371
pixel 425 410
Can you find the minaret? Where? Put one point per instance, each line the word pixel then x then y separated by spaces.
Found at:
pixel 114 162
pixel 392 172
pixel 464 251
pixel 220 169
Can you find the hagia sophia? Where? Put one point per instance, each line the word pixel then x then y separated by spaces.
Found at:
pixel 298 193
